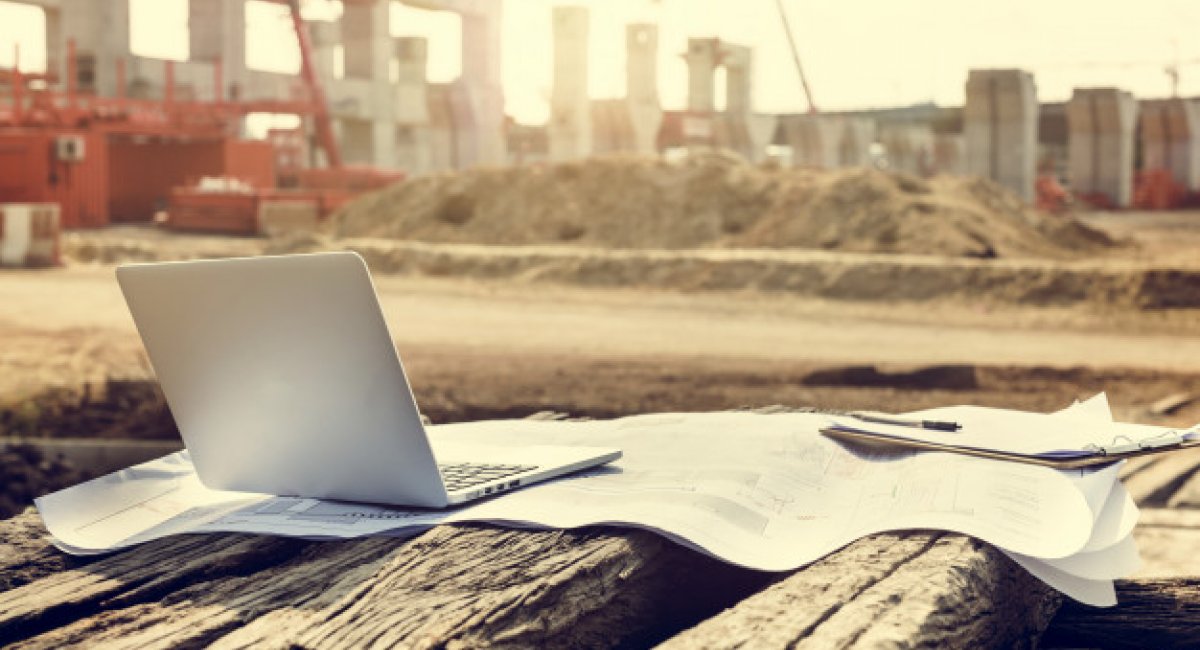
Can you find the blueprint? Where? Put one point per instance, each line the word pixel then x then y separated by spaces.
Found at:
pixel 762 491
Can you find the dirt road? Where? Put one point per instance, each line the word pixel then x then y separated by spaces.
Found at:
pixel 478 350
pixel 615 323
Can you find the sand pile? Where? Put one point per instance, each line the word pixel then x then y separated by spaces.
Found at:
pixel 714 200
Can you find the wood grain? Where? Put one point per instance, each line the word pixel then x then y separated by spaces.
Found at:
pixel 898 591
pixel 1159 613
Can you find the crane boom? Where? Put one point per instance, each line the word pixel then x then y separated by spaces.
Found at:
pixel 787 29
pixel 323 122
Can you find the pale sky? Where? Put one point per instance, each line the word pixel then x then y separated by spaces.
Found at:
pixel 857 53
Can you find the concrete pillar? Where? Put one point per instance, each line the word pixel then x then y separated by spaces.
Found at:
pixel 761 127
pixel 702 56
pixel 1000 121
pixel 326 38
pixel 855 140
pixel 367 53
pixel 411 106
pixel 570 127
pixel 443 150
pixel 55 44
pixel 809 144
pixel 641 79
pixel 909 148
pixel 217 32
pixel 1171 139
pixel 1100 144
pixel 949 154
pixel 829 141
pixel 739 78
pixel 100 30
pixel 366 43
pixel 734 130
pixel 481 33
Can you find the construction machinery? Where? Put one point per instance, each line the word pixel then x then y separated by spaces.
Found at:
pixel 121 159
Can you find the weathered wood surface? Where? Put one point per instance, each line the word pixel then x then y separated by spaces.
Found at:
pixel 897 591
pixel 476 586
pixel 470 586
pixel 1152 613
pixel 1159 607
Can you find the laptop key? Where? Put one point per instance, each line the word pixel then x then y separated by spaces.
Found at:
pixel 457 476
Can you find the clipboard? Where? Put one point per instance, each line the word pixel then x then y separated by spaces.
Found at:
pixel 1093 456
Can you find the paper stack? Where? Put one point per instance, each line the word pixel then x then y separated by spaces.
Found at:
pixel 762 491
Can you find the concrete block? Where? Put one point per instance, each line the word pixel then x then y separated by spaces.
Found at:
pixel 641 78
pixel 1000 121
pixel 702 56
pixel 909 148
pixel 1101 125
pixel 366 42
pixel 1171 139
pixel 29 234
pixel 949 154
pixel 854 145
pixel 443 152
pixel 570 127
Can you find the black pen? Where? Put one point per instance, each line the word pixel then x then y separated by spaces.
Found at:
pixel 883 418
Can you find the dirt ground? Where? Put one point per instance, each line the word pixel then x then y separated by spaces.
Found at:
pixel 71 363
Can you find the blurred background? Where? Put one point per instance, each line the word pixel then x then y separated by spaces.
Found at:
pixel 605 208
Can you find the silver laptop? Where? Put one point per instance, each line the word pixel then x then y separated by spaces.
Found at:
pixel 283 378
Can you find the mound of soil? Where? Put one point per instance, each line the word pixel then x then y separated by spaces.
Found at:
pixel 715 200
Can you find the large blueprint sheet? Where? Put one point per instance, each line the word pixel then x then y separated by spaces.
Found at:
pixel 762 491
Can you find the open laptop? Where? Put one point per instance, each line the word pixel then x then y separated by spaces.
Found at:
pixel 283 379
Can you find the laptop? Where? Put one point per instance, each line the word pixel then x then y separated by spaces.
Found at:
pixel 283 379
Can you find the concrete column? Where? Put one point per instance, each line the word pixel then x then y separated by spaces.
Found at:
pixel 949 154
pixel 55 45
pixel 1000 128
pixel 217 32
pixel 1183 128
pixel 854 145
pixel 443 150
pixel 481 36
pixel 325 37
pixel 1100 144
pixel 368 49
pixel 641 79
pixel 100 30
pixel 366 43
pixel 411 106
pixel 1171 139
pixel 570 127
pixel 813 138
pixel 735 131
pixel 702 56
pixel 761 127
pixel 909 148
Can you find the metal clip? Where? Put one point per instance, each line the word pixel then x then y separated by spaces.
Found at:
pixel 1122 444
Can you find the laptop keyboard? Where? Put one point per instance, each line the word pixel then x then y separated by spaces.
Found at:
pixel 458 476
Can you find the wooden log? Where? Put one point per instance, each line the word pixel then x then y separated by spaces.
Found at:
pixel 1151 613
pixel 896 590
pixel 463 585
pixel 469 586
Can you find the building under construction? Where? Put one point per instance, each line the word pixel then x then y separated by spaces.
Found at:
pixel 108 135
